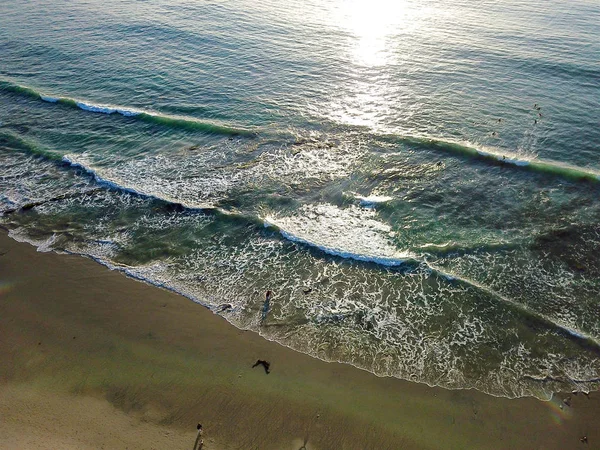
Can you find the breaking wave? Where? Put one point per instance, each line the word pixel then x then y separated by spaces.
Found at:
pixel 184 122
pixel 495 156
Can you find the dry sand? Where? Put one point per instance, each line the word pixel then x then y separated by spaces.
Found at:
pixel 91 359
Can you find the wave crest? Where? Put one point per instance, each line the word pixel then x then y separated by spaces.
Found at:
pixel 189 123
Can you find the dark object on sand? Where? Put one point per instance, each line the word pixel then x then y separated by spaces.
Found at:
pixel 265 364
pixel 199 443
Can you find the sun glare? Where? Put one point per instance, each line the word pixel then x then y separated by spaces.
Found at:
pixel 371 23
pixel 371 28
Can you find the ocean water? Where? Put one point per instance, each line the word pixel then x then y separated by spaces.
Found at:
pixel 417 181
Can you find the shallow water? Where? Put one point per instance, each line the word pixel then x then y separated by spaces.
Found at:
pixel 418 182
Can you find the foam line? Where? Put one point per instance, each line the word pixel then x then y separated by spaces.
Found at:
pixel 100 178
pixel 56 198
pixel 120 185
pixel 383 260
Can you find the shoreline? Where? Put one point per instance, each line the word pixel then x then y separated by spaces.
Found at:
pixel 40 247
pixel 75 334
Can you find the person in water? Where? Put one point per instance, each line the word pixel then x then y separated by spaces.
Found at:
pixel 266 305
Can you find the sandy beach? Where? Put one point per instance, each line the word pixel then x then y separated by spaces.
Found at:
pixel 91 359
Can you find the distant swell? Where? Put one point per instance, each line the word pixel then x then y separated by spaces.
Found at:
pixel 183 122
pixel 554 168
pixel 505 159
pixel 13 142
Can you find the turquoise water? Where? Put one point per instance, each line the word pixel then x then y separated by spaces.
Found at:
pixel 417 182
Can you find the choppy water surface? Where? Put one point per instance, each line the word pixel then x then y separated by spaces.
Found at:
pixel 418 182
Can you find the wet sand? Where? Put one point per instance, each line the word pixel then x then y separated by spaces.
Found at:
pixel 91 359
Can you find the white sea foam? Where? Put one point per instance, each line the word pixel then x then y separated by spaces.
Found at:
pixel 49 99
pixel 96 108
pixel 42 245
pixel 383 260
pixel 128 112
pixel 106 109
pixel 503 158
pixel 373 200
pixel 152 182
pixel 351 233
pixel 201 179
pixel 82 163
pixel 363 317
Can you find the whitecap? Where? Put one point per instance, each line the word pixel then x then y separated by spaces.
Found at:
pixel 95 108
pixel 373 200
pixel 49 99
pixel 351 233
